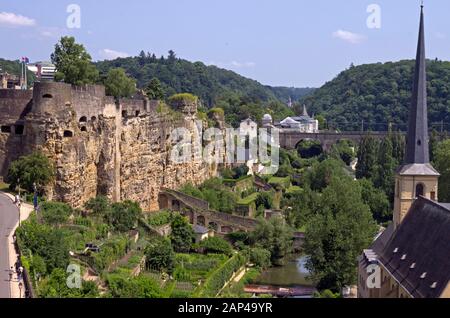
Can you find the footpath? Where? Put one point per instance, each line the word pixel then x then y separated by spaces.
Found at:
pixel 25 211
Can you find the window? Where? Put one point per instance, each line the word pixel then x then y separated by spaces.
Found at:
pixel 83 119
pixel 19 129
pixel 6 129
pixel 93 118
pixel 138 113
pixel 68 134
pixel 433 195
pixel 47 96
pixel 419 190
pixel 84 128
pixel 124 113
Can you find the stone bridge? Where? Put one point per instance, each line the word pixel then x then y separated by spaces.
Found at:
pixel 290 138
pixel 198 212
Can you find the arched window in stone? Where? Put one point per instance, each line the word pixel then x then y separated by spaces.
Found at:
pixel 84 129
pixel 68 134
pixel 93 118
pixel 420 190
pixel 83 119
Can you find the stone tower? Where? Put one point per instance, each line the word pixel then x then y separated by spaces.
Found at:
pixel 416 177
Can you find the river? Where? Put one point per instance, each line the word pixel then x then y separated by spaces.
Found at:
pixel 292 274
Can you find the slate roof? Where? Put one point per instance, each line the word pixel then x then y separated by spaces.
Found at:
pixel 417 169
pixel 418 253
pixel 198 229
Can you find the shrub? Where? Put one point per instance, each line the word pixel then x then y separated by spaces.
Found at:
pixel 160 255
pixel 55 212
pixel 216 245
pixel 260 257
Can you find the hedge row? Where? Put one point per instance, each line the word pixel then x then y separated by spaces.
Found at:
pixel 221 276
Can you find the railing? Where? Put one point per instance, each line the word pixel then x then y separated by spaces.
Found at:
pixel 29 290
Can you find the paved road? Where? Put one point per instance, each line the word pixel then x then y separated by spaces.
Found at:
pixel 9 216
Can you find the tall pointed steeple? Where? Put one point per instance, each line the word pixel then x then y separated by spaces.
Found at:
pixel 416 177
pixel 305 111
pixel 417 140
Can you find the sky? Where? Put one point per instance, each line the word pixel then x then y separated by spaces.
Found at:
pixel 295 43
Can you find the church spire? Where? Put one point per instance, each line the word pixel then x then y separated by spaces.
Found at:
pixel 417 143
pixel 305 111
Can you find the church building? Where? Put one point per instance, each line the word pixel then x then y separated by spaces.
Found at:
pixel 411 258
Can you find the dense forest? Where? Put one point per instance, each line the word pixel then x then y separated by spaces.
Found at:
pixel 380 93
pixel 210 83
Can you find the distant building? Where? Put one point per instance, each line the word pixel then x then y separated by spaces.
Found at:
pixel 202 233
pixel 9 81
pixel 44 71
pixel 303 123
pixel 411 258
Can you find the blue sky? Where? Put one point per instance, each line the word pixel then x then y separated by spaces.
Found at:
pixel 284 42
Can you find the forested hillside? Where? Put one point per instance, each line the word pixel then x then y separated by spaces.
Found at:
pixel 381 93
pixel 208 82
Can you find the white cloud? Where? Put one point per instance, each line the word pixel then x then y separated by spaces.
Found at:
pixel 108 54
pixel 233 64
pixel 15 20
pixel 51 32
pixel 349 37
pixel 243 64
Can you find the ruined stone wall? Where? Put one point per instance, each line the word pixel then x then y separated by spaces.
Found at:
pixel 100 146
pixel 14 105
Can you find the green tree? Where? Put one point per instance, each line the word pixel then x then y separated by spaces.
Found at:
pixel 73 63
pixel 260 257
pixel 216 245
pixel 124 215
pixel 341 228
pixel 377 201
pixel 34 168
pixel 385 176
pixel 442 164
pixel 160 255
pixel 276 236
pixel 100 206
pixel 265 199
pixel 182 234
pixel 118 84
pixel 154 89
pixel 367 158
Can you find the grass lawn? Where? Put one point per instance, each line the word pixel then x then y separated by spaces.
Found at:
pixel 248 200
pixel 283 182
pixel 293 189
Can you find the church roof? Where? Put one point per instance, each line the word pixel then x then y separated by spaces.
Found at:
pixel 417 169
pixel 418 253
